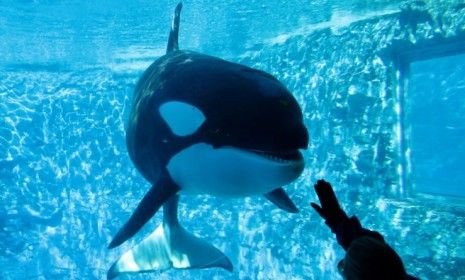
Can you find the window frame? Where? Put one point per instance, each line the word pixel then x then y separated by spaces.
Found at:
pixel 402 54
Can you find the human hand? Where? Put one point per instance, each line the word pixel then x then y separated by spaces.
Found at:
pixel 330 210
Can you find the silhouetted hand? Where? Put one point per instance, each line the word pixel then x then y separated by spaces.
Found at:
pixel 330 210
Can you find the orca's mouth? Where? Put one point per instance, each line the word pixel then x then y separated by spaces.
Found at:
pixel 280 156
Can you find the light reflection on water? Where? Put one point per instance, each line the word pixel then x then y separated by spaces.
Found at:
pixel 67 183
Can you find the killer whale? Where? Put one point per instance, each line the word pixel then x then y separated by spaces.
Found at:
pixel 200 124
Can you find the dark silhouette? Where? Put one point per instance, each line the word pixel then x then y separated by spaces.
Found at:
pixel 413 14
pixel 368 257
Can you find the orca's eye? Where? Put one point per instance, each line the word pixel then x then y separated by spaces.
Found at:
pixel 182 118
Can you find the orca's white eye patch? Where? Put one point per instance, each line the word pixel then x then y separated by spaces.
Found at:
pixel 182 118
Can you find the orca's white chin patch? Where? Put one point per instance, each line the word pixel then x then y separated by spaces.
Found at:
pixel 230 171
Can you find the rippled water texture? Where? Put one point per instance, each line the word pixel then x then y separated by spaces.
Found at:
pixel 67 72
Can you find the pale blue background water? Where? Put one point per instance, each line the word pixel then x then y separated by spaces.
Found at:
pixel 437 120
pixel 67 72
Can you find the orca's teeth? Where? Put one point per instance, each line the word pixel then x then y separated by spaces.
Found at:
pixel 279 157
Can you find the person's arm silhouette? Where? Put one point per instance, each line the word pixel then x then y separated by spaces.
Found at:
pixel 346 229
pixel 367 254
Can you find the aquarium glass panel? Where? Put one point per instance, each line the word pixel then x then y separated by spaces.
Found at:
pixel 436 117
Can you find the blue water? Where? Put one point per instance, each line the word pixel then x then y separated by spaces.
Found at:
pixel 67 73
pixel 438 158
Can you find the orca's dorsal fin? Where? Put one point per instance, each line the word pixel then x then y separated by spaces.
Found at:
pixel 174 33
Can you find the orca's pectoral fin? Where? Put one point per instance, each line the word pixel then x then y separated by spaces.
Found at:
pixel 280 198
pixel 152 201
pixel 169 246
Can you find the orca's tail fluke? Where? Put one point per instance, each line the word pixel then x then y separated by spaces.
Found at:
pixel 174 33
pixel 169 246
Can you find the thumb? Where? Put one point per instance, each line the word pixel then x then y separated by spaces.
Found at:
pixel 317 208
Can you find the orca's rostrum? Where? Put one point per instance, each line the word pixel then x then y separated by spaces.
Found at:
pixel 203 125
